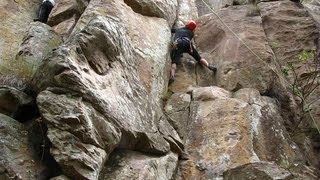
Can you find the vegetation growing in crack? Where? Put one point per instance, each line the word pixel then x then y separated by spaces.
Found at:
pixel 304 84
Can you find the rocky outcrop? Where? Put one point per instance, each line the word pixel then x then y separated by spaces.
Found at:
pixel 261 170
pixel 289 29
pixel 165 9
pixel 16 104
pixel 104 80
pixel 313 7
pixel 65 15
pixel 17 160
pixel 237 66
pixel 246 126
pixel 178 110
pixel 187 11
pixel 107 111
pixel 134 165
pixel 15 18
pixel 214 4
pixel 38 43
pixel 267 170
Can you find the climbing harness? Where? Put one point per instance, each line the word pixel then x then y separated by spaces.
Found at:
pixel 185 39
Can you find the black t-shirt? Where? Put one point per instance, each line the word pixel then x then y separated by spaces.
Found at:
pixel 182 32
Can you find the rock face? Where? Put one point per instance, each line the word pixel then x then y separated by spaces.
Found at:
pixel 37 44
pixel 134 165
pixel 258 171
pixel 15 17
pixel 16 104
pixel 108 73
pixel 246 126
pixel 313 7
pixel 17 156
pixel 216 5
pixel 106 110
pixel 165 9
pixel 187 11
pixel 289 29
pixel 237 66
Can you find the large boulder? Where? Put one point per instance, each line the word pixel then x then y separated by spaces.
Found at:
pixel 65 15
pixel 134 165
pixel 106 88
pixel 38 43
pixel 16 104
pixel 15 17
pixel 233 129
pixel 261 170
pixel 165 9
pixel 177 110
pixel 17 158
pixel 267 170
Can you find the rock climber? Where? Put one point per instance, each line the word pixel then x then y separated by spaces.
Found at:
pixel 183 44
pixel 45 9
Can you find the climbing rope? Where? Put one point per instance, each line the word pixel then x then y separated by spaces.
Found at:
pixel 281 78
pixel 243 42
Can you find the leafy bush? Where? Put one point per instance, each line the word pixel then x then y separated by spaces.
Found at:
pixel 304 83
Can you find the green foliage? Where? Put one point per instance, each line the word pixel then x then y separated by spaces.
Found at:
pixel 303 84
pixel 306 55
pixel 297 91
pixel 274 45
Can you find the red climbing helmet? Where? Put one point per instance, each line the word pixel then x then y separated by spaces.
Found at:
pixel 191 25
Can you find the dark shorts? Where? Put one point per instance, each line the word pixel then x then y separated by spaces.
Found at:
pixel 45 10
pixel 183 46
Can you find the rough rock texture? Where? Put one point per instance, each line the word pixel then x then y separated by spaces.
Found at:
pixel 108 79
pixel 216 5
pixel 165 9
pixel 16 104
pixel 271 140
pixel 78 142
pixel 237 66
pixel 313 6
pixel 17 160
pixel 134 165
pixel 289 29
pixel 103 100
pixel 38 43
pixel 187 11
pixel 267 170
pixel 15 17
pixel 177 110
pixel 228 132
pixel 261 170
pixel 65 15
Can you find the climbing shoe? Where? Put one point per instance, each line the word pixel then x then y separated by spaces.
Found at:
pixel 212 68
